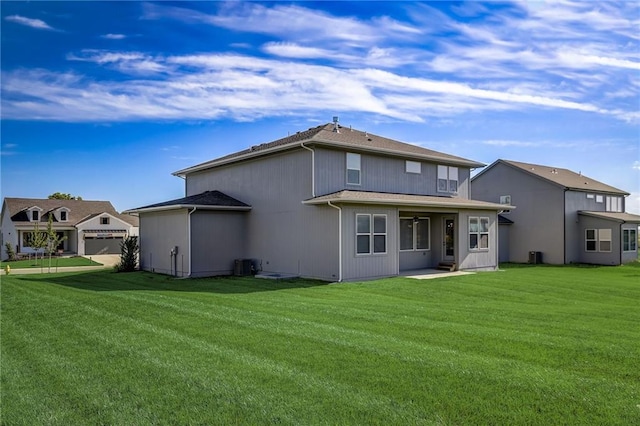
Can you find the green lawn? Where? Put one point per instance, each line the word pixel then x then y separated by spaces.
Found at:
pixel 528 345
pixel 55 261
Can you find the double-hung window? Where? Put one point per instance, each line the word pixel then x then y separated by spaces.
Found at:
pixel 447 179
pixel 35 215
pixel 614 204
pixel 353 168
pixel 598 240
pixel 414 233
pixel 371 234
pixel 629 240
pixel 478 233
pixel 63 215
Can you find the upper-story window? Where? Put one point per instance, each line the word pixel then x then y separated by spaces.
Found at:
pixel 505 199
pixel 614 204
pixel 63 215
pixel 34 213
pixel 104 221
pixel 413 167
pixel 599 199
pixel 447 179
pixel 353 168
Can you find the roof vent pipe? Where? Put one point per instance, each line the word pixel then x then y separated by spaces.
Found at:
pixel 335 124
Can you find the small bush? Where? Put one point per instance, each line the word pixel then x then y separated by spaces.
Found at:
pixel 10 251
pixel 128 255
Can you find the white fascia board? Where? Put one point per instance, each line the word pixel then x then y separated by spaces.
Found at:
pixel 409 203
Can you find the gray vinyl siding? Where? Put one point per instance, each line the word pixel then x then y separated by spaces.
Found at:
pixel 217 239
pixel 539 218
pixel 576 201
pixel 503 243
pixel 600 258
pixel 381 174
pixel 284 235
pixel 159 233
pixel 476 260
pixel 368 266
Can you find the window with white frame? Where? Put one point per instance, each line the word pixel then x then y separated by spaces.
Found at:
pixel 413 167
pixel 590 196
pixel 104 221
pixel 598 240
pixel 414 233
pixel 447 179
pixel 614 204
pixel 629 240
pixel 63 215
pixel 599 199
pixel 353 168
pixel 371 234
pixel 478 233
pixel 505 199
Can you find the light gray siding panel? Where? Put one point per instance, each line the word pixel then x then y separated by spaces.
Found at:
pixel 217 239
pixel 369 266
pixel 574 202
pixel 283 234
pixel 600 258
pixel 477 259
pixel 382 174
pixel 539 218
pixel 409 260
pixel 159 233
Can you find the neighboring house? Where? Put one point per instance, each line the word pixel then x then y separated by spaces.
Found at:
pixel 90 227
pixel 564 216
pixel 331 203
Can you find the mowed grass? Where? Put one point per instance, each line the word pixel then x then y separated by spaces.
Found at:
pixel 59 262
pixel 528 345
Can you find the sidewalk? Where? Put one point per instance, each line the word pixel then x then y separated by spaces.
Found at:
pixel 108 261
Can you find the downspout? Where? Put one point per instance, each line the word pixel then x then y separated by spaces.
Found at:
pixel 313 169
pixel 339 239
pixel 189 239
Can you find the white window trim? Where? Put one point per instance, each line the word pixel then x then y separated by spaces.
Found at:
pixel 479 233
pixel 597 237
pixel 413 167
pixel 629 240
pixel 599 198
pixel 66 211
pixel 372 234
pixel 449 171
pixel 359 169
pixel 414 230
pixel 590 196
pixel 35 209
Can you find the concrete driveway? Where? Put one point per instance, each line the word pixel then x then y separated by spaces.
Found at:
pixel 106 259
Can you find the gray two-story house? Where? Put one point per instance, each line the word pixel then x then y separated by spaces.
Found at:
pixel 562 217
pixel 331 202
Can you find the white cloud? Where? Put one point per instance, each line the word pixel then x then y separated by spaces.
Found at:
pixel 636 165
pixel 113 36
pixel 29 22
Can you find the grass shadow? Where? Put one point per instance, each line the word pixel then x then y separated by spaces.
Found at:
pixel 106 280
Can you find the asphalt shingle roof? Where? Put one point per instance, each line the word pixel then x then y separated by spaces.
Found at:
pixel 79 210
pixel 369 197
pixel 565 177
pixel 618 217
pixel 347 138
pixel 207 198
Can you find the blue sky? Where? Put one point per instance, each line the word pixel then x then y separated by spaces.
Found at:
pixel 106 100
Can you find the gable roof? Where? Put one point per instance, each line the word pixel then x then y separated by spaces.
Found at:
pixel 208 200
pixel 345 138
pixel 78 210
pixel 561 177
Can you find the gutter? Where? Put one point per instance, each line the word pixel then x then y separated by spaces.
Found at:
pixel 313 169
pixel 339 239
